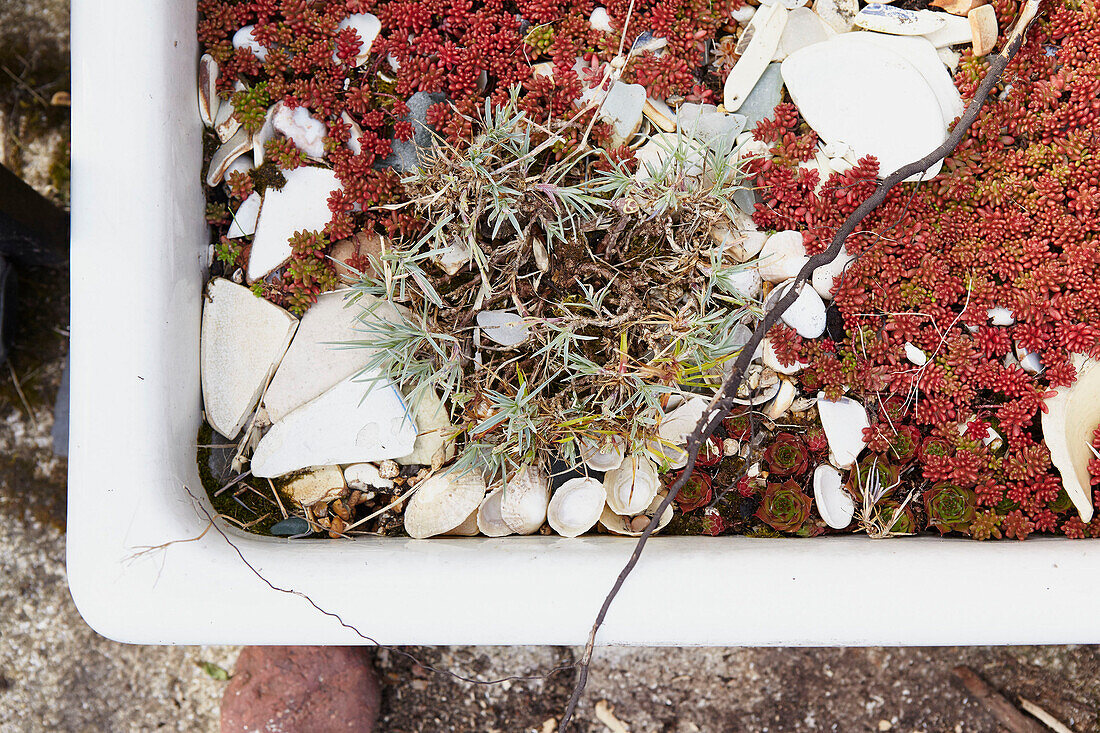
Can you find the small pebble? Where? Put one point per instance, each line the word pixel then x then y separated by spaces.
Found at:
pixel 389 469
pixel 290 527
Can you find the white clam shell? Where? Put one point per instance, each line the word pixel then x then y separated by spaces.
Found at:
pixel 834 503
pixel 576 506
pixel 674 430
pixel 443 503
pixel 1072 415
pixel 843 422
pixel 525 499
pixel 208 92
pixel 782 256
pixel 631 487
pixel 489 520
pixel 633 526
pixel 607 455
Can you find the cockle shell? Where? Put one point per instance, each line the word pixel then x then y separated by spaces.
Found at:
pixel 1072 415
pixel 631 487
pixel 442 503
pixel 673 431
pixel 834 503
pixel 607 455
pixel 489 520
pixel 635 525
pixel 576 506
pixel 524 501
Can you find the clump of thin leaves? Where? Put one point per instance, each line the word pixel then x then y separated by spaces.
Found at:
pixel 614 275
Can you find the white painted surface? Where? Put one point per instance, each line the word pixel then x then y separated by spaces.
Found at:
pixel 135 403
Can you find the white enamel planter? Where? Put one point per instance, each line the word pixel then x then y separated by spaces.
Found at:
pixel 139 244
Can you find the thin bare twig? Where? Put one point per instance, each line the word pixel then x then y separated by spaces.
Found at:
pixel 722 401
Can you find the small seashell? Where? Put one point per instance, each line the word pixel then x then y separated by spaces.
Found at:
pixel 801 404
pixel 782 256
pixel 600 20
pixel 245 217
pixel 507 329
pixel 208 92
pixel 1029 360
pixel 742 246
pixel 224 156
pixel 647 42
pixel 489 519
pixel 843 421
pixel 633 526
pixel 782 401
pixel 898 21
pixel 355 133
pixel 576 506
pixel 526 496
pixel 834 503
pixel 245 38
pixel 730 447
pixel 542 256
pixel 915 355
pixel 837 14
pixel 607 455
pixel 443 503
pixel 673 431
pixel 631 487
pixel 743 14
pixel 468 528
pixel 242 164
pixel 367 26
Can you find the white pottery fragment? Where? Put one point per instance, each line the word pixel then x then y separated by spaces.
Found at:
pixel 825 278
pixel 1001 316
pixel 743 14
pixel 435 434
pixel 622 109
pixel 367 26
pixel 525 499
pixel 782 401
pixel 443 503
pixel 1029 361
pixel 266 132
pixel 365 476
pixel 922 55
pixel 768 28
pixel 672 433
pixel 243 339
pixel 837 14
pixel 834 503
pixel 843 422
pixel 489 521
pixel 915 355
pixel 949 58
pixel 576 506
pixel 323 483
pixel 300 205
pixel 955 30
pixel 631 487
pixel 354 422
pixel 1072 415
pixel 769 359
pixel 600 20
pixel 304 130
pixel 226 123
pixel 782 256
pixel 605 456
pixel 898 21
pixel 316 360
pixel 804 28
pixel 744 282
pixel 507 329
pixel 806 314
pixel 245 217
pixel 245 38
pixel 224 156
pixel 869 98
pixel 635 525
pixel 208 89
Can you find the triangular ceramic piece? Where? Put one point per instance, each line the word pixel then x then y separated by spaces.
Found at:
pixel 299 206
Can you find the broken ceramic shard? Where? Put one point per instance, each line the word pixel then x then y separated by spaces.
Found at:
pixel 954 31
pixel 321 356
pixel 622 109
pixel 265 133
pixel 983 29
pixel 365 476
pixel 633 526
pixel 806 314
pixel 660 114
pixel 782 256
pixel 299 206
pixel 245 38
pixel 367 26
pixel 323 483
pixel 224 156
pixel 741 245
pixel 761 101
pixel 576 506
pixel 526 496
pixel 869 98
pixel 507 329
pixel 888 19
pixel 1069 421
pixel 243 338
pixel 208 89
pixel 837 14
pixel 834 503
pixel 354 422
pixel 768 28
pixel 443 503
pixel 245 217
pixel 804 28
pixel 304 130
pixel 843 421
pixel 226 123
pixel 489 521
pixel 631 487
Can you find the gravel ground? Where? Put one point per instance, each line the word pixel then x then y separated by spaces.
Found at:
pixel 57 674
